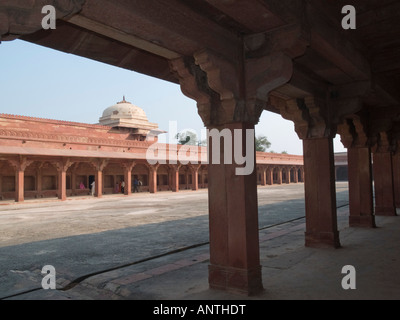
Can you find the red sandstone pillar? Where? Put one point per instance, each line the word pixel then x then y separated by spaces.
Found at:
pixel 153 179
pixel 384 188
pixel 270 176
pixel 279 175
pixel 128 177
pixel 288 176
pixel 175 178
pixel 263 176
pixel 19 185
pixel 320 193
pixel 62 185
pixel 396 178
pixel 195 178
pixel 360 187
pixel 233 210
pixel 128 182
pixel 99 183
pixel 296 175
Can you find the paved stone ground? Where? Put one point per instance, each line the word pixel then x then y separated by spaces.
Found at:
pixel 85 237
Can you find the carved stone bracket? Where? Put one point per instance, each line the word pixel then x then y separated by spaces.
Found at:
pixel 383 143
pixel 20 164
pixel 174 167
pixel 354 132
pixel 63 165
pixel 309 116
pixel 99 164
pixel 316 117
pixel 228 93
pixel 128 166
pixel 153 167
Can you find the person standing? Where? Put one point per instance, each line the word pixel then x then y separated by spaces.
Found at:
pixel 122 186
pixel 135 185
pixel 93 185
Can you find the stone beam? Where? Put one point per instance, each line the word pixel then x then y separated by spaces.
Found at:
pixel 121 36
pixel 252 14
pixel 330 44
pixel 161 22
pixel 24 17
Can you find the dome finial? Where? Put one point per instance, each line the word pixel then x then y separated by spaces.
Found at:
pixel 123 100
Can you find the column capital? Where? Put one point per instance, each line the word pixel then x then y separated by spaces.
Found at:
pixel 383 143
pixel 353 132
pixel 99 164
pixel 128 166
pixel 63 165
pixel 21 163
pixel 174 167
pixel 153 167
pixel 194 167
pixel 228 92
pixel 318 116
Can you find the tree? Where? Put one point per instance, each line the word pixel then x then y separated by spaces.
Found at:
pixel 262 143
pixel 284 152
pixel 187 137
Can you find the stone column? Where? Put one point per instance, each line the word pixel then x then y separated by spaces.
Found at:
pixel 360 187
pixel 234 242
pixel 384 187
pixel 270 175
pixel 263 175
pixel 396 178
pixel 19 185
pixel 128 167
pixel 99 166
pixel 288 176
pixel 302 174
pixel 195 177
pixel 311 116
pixel 231 96
pixel 354 137
pixel 320 193
pixel 279 175
pixel 175 177
pixel 62 167
pixel 62 183
pixel 296 175
pixel 153 178
pixel 20 165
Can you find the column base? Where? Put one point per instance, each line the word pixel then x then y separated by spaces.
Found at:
pixel 385 211
pixel 322 239
pixel 242 281
pixel 367 221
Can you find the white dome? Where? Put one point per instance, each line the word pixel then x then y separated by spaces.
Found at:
pixel 125 114
pixel 124 110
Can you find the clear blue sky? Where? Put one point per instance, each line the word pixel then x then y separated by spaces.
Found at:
pixel 41 82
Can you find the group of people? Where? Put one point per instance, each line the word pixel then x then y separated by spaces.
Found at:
pixel 119 186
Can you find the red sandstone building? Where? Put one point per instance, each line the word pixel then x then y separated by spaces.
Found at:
pixel 51 158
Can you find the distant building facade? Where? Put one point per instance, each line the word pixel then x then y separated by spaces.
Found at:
pixel 42 158
pixel 341 166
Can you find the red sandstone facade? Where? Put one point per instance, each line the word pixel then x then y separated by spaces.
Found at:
pixel 49 158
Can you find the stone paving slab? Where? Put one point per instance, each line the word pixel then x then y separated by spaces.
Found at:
pixel 81 255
